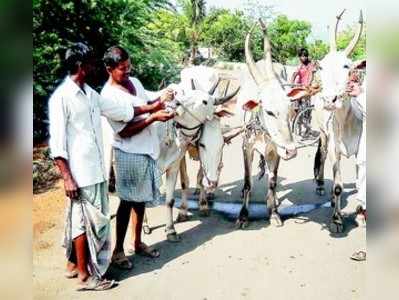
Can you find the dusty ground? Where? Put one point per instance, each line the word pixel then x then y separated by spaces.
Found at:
pixel 301 260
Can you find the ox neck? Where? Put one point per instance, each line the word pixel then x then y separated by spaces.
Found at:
pixel 341 114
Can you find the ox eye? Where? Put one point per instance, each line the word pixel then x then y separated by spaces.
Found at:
pixel 205 102
pixel 346 67
pixel 270 113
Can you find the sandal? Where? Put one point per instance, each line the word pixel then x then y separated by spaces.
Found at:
pixel 146 251
pixel 96 284
pixel 359 256
pixel 71 274
pixel 121 261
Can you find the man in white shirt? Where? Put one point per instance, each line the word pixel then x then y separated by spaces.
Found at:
pixel 358 102
pixel 136 149
pixel 77 148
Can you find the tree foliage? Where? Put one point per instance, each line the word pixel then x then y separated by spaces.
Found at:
pixel 226 31
pixel 193 12
pixel 57 24
pixel 158 36
pixel 318 49
pixel 344 37
pixel 287 36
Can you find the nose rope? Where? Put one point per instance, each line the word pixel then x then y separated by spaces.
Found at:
pixel 189 112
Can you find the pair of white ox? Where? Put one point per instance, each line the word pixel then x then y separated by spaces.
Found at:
pixel 196 124
pixel 339 127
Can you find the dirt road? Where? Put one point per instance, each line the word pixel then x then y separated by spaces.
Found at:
pixel 301 260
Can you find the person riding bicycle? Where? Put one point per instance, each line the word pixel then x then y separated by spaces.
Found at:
pixel 304 78
pixel 304 74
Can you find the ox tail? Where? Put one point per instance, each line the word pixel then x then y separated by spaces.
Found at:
pixel 262 167
pixel 317 161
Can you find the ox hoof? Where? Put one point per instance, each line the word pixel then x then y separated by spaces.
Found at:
pixel 336 227
pixel 182 218
pixel 204 212
pixel 275 220
pixel 337 224
pixel 197 191
pixel 320 191
pixel 242 224
pixel 173 237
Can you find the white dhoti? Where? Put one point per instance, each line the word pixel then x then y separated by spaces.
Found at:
pixel 359 107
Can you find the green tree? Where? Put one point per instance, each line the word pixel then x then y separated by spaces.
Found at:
pixel 344 37
pixel 57 24
pixel 318 49
pixel 194 12
pixel 226 31
pixel 287 36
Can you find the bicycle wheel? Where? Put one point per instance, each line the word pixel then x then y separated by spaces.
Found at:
pixel 303 129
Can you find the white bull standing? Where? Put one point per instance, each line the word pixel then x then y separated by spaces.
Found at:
pixel 268 125
pixel 340 128
pixel 196 121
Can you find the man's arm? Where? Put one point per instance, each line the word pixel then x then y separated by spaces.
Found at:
pixel 155 105
pixel 58 143
pixel 151 107
pixel 134 127
pixel 70 185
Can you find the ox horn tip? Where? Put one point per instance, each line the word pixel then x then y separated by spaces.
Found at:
pixel 361 17
pixel 340 15
pixel 262 24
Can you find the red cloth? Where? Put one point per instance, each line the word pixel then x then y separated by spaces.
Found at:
pixel 304 74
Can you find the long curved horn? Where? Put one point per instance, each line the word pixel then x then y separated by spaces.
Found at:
pixel 224 99
pixel 339 17
pixel 214 87
pixel 333 33
pixel 356 37
pixel 267 51
pixel 226 88
pixel 253 69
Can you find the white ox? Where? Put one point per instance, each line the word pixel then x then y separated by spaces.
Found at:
pixel 196 120
pixel 340 127
pixel 268 126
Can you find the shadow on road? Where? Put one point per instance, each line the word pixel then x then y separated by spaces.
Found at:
pixel 192 238
pixel 297 194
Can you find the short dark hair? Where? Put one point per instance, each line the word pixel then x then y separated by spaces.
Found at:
pixel 114 56
pixel 303 52
pixel 76 55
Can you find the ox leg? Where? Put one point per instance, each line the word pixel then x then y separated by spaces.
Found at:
pixel 200 176
pixel 171 177
pixel 248 152
pixel 183 210
pixel 337 222
pixel 318 167
pixel 273 161
pixel 203 202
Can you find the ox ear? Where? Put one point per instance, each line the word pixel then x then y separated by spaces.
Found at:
pixel 360 64
pixel 250 105
pixel 223 112
pixel 297 93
